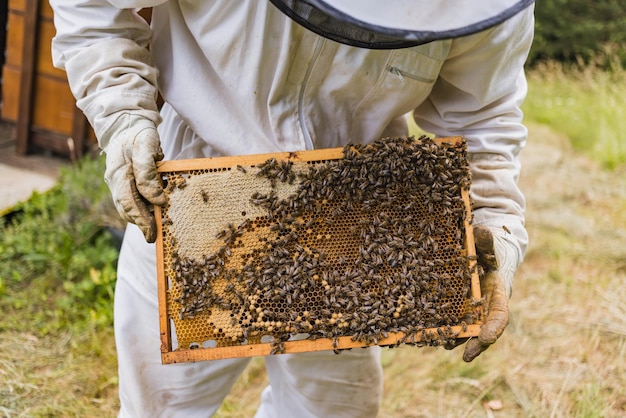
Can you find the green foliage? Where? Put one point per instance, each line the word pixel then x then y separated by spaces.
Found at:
pixel 57 260
pixel 586 104
pixel 572 30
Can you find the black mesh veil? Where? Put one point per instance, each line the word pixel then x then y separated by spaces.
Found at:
pixel 335 24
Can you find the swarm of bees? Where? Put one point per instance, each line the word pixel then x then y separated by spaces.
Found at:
pixel 362 246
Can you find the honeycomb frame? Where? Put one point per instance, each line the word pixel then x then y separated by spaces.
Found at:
pixel 326 249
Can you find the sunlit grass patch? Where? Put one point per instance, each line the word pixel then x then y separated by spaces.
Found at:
pixel 585 103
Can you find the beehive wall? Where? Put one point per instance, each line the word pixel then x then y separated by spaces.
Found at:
pixel 362 246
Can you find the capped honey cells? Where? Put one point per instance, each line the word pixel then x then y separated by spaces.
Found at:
pixel 350 246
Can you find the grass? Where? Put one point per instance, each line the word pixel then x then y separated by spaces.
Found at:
pixel 586 104
pixel 562 355
pixel 61 375
pixel 57 273
pixel 57 260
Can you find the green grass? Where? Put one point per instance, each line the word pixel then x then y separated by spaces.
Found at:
pixel 57 260
pixel 57 275
pixel 586 104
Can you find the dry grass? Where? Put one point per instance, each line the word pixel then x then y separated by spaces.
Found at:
pixel 57 376
pixel 563 354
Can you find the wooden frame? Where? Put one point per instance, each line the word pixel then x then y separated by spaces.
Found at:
pixel 169 355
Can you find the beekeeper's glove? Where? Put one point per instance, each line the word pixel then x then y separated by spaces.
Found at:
pixel 132 148
pixel 497 256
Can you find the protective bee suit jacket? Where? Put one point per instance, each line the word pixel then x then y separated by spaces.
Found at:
pixel 246 79
pixel 239 77
pixel 240 93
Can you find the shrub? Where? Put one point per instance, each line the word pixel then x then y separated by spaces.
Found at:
pixel 57 258
pixel 572 30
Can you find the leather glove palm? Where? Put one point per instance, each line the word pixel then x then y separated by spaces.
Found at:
pixel 132 148
pixel 498 265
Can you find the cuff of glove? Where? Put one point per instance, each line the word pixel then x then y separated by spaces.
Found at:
pixel 510 240
pixel 506 249
pixel 126 127
pixel 498 250
pixel 508 256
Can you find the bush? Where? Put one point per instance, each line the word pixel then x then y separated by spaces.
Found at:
pixel 57 258
pixel 572 30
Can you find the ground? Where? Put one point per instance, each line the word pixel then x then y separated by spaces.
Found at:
pixel 37 171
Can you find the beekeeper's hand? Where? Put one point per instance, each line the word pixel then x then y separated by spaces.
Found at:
pixel 498 260
pixel 132 148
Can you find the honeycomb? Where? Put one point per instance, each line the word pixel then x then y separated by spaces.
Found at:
pixel 327 249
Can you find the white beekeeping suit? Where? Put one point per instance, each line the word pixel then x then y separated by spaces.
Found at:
pixel 253 76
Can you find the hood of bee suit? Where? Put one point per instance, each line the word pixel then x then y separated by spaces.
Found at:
pixel 393 24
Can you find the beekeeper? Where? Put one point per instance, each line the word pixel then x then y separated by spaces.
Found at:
pixel 242 77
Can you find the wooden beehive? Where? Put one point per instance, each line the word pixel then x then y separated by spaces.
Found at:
pixel 317 250
pixel 36 96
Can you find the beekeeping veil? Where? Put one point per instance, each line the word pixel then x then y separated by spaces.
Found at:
pixel 390 24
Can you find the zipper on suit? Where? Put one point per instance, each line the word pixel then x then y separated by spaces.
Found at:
pixel 308 142
pixel 401 74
